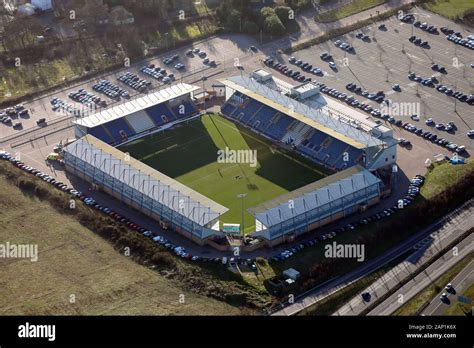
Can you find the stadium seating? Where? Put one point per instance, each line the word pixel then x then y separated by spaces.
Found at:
pixel 119 129
pixel 262 118
pixel 140 121
pixel 228 109
pixel 296 134
pixel 187 106
pixel 100 133
pixel 279 128
pixel 160 114
pixel 315 144
pixel 246 113
pixel 353 156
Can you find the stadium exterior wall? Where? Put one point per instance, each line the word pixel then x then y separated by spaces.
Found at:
pixel 317 218
pixel 198 234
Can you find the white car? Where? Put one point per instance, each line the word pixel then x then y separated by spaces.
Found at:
pixel 332 65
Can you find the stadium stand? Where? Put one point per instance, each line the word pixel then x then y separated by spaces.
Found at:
pixel 160 114
pixel 279 127
pixel 184 109
pixel 119 129
pixel 100 133
pixel 140 121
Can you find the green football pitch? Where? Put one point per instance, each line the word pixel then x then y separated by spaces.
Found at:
pixel 189 154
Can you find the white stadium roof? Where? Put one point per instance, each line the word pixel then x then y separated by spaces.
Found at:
pixel 135 105
pixel 146 180
pixel 314 195
pixel 320 119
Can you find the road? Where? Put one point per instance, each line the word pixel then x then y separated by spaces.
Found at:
pixel 434 243
pixel 460 283
pixel 424 279
pixel 440 228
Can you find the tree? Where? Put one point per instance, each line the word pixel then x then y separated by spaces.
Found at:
pixel 274 26
pixel 92 12
pixel 223 11
pixel 234 20
pixel 285 13
pixel 250 27
pixel 267 12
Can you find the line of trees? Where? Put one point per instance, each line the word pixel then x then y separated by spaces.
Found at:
pixel 239 16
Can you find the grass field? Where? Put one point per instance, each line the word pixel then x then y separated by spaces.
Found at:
pixel 347 10
pixel 450 8
pixel 189 155
pixel 73 260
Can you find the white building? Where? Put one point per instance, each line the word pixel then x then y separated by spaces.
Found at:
pixel 44 5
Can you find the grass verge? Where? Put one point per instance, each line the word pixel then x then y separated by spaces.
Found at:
pixel 347 10
pixel 452 9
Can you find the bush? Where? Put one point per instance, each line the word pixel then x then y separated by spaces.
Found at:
pixel 27 185
pixel 163 259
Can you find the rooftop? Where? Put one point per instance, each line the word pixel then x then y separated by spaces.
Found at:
pixel 146 180
pixel 314 195
pixel 333 124
pixel 135 105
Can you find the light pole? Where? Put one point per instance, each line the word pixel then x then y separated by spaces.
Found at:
pixel 204 90
pixel 166 39
pixel 242 196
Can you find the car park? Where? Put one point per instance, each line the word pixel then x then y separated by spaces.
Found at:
pixel 134 81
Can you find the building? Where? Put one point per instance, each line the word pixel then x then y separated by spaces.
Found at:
pixel 322 129
pixel 152 193
pixel 350 191
pixel 44 5
pixel 140 116
pixel 298 118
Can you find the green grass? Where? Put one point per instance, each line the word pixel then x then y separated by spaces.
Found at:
pixel 347 10
pixel 72 259
pixel 459 308
pixel 442 176
pixel 189 155
pixel 412 306
pixel 450 8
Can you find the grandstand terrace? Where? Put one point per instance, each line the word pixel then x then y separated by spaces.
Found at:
pixel 322 129
pixel 144 114
pixel 317 204
pixel 144 188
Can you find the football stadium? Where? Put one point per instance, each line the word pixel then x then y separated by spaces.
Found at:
pixel 273 162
